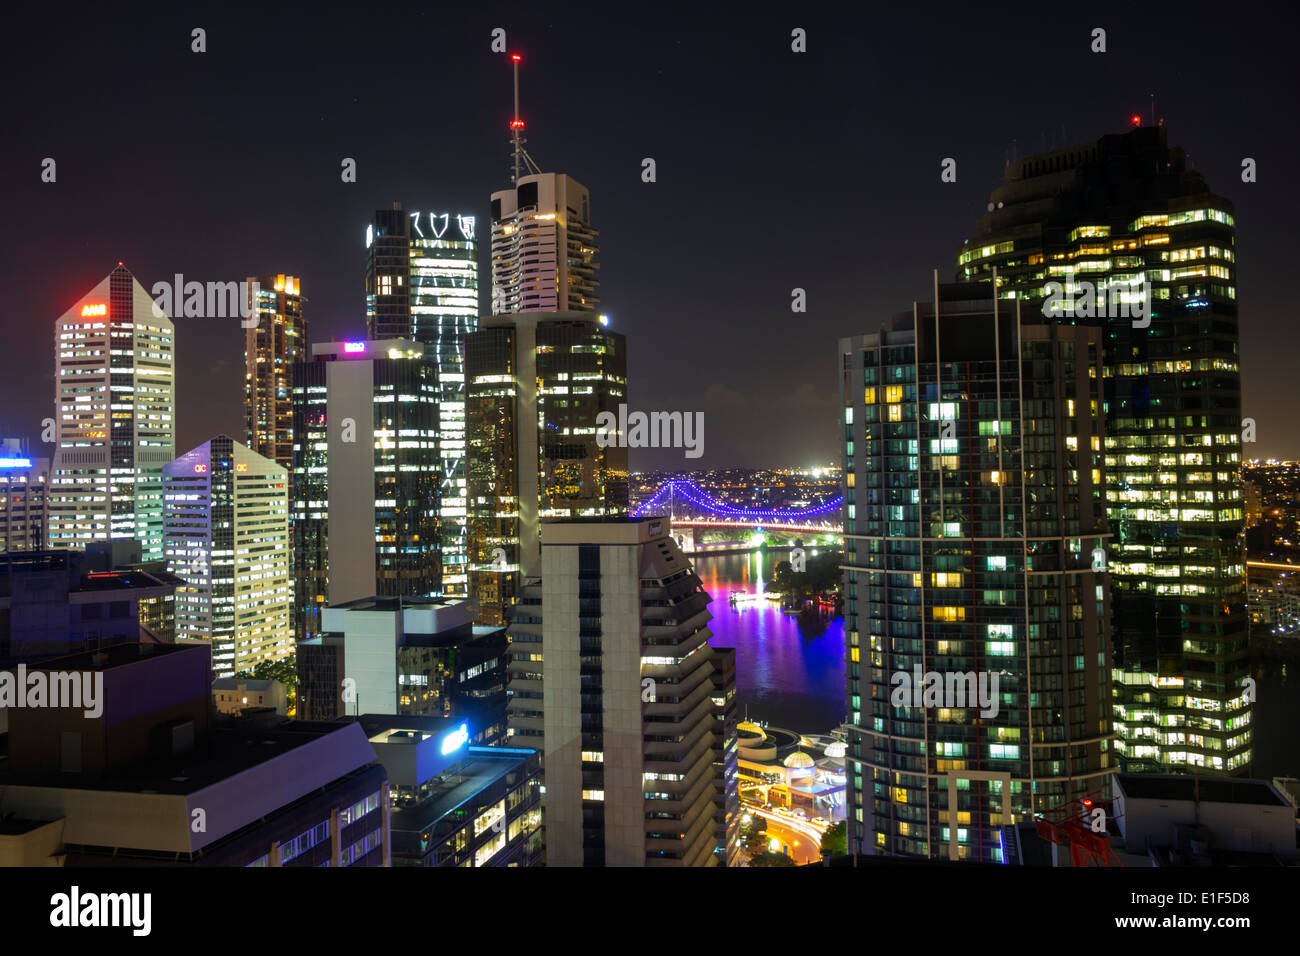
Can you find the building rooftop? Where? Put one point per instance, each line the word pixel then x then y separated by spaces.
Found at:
pixel 225 751
pixel 1212 789
pixel 115 655
pixel 395 603
pixel 244 683
pixel 122 581
pixel 481 767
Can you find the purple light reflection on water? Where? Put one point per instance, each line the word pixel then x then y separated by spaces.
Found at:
pixel 786 674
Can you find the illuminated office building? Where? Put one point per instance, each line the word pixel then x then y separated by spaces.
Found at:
pixel 974 535
pixel 409 656
pixel 114 398
pixel 227 539
pixel 270 350
pixel 366 475
pixel 422 285
pixel 456 804
pixel 24 498
pixel 613 679
pixel 1123 208
pixel 536 383
pixel 543 247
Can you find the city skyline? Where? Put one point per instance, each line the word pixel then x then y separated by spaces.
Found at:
pixel 716 162
pixel 821 446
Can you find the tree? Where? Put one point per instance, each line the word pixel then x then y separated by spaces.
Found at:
pixel 835 841
pixel 754 834
pixel 769 858
pixel 822 576
pixel 285 671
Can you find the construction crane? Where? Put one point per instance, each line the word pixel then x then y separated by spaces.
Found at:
pixel 1072 823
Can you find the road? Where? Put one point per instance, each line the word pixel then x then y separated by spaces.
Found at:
pixel 799 838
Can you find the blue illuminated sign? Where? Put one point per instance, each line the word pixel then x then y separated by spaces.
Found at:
pixel 456 739
pixel 15 463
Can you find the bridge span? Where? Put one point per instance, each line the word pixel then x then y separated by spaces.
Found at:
pixel 697 517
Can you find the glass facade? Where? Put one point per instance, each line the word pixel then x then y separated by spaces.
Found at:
pixel 422 285
pixel 271 349
pixel 978 662
pixel 1128 208
pixel 406 469
pixel 559 372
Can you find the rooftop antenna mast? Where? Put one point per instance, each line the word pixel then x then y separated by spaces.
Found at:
pixel 516 132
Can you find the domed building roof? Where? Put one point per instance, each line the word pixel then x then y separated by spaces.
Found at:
pixel 800 761
pixel 747 726
pixel 837 750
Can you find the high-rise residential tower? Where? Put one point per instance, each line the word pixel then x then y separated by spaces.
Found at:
pixel 422 285
pixel 114 397
pixel 227 539
pixel 536 383
pixel 543 247
pixel 367 474
pixel 270 350
pixel 978 671
pixel 1127 208
pixel 612 677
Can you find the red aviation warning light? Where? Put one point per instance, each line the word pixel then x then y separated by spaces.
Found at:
pixel 520 160
pixel 1135 119
pixel 1072 824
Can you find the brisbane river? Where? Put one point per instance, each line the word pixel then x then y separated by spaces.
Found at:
pixel 790 669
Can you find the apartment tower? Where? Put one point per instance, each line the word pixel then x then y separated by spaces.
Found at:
pixel 978 670
pixel 1124 209
pixel 612 677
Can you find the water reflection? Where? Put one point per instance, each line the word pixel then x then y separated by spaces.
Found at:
pixel 789 667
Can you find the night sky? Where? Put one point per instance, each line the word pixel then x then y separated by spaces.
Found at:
pixel 775 170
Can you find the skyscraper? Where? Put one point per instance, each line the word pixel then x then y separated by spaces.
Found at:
pixel 114 396
pixel 367 475
pixel 1125 208
pixel 270 350
pixel 422 285
pixel 612 677
pixel 978 671
pixel 24 498
pixel 227 538
pixel 536 383
pixel 543 247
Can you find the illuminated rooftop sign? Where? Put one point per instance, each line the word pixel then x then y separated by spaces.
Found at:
pixel 455 740
pixel 354 347
pixel 15 463
pixel 99 308
pixel 464 223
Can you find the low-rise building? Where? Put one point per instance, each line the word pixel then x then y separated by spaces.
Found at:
pixel 408 656
pixel 235 695
pixel 455 804
pixel 139 772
